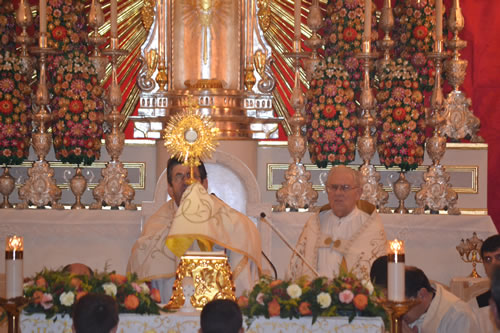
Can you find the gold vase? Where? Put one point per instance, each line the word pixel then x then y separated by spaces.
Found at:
pixel 7 185
pixel 78 185
pixel 402 188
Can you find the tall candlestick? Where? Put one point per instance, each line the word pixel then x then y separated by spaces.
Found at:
pixel 439 20
pixel 43 16
pixel 296 26
pixel 368 20
pixel 14 266
pixel 114 19
pixel 396 272
pixel 161 30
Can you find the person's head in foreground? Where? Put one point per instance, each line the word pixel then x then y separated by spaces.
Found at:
pixel 95 313
pixel 495 295
pixel 378 273
pixel 343 187
pixel 221 316
pixel 78 269
pixel 417 286
pixel 490 253
pixel 177 173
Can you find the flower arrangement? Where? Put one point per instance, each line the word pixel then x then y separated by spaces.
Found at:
pixel 331 115
pixel 78 98
pixel 345 295
pixel 413 33
pixel 15 102
pixel 55 292
pixel 401 123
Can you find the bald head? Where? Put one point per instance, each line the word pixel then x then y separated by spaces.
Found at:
pixel 343 187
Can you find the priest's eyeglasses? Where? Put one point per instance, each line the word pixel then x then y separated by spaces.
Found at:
pixel 340 187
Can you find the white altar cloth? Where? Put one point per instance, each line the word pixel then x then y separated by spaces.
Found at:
pixel 190 323
pixel 430 240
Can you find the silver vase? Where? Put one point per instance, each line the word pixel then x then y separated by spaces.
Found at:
pixel 78 185
pixel 401 188
pixel 7 185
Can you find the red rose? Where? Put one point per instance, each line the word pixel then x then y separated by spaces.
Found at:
pixel 304 309
pixel 243 302
pixel 399 114
pixel 76 106
pixel 273 308
pixel 131 302
pixel 350 34
pixel 329 111
pixel 420 32
pixel 59 33
pixel 6 106
pixel 360 301
pixel 118 279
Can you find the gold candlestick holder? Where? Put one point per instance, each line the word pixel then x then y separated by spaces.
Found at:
pixel 396 311
pixel 436 192
pixel 469 252
pixel 314 22
pixel 13 308
pixel 386 44
pixel 296 191
pixel 24 19
pixel 96 20
pixel 40 189
pixel 113 189
pixel 373 191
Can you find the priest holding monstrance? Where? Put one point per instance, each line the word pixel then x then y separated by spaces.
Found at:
pixel 194 219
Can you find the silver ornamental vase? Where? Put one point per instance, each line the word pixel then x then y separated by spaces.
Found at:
pixel 7 185
pixel 401 188
pixel 78 185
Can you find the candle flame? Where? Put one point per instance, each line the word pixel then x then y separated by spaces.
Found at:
pixel 14 243
pixel 396 246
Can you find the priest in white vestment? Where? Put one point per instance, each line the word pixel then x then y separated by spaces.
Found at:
pixel 151 259
pixel 439 311
pixel 348 232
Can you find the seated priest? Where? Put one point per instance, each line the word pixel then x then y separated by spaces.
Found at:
pixel 194 220
pixel 438 310
pixel 490 253
pixel 348 232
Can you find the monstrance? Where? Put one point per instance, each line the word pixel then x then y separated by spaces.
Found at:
pixel 191 136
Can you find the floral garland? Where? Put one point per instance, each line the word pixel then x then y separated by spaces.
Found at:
pixel 77 105
pixel 331 116
pixel 345 295
pixel 413 33
pixel 401 123
pixel 15 102
pixel 56 292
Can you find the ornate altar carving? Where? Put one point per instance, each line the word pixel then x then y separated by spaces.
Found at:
pixel 201 43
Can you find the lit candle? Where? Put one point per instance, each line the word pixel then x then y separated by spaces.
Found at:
pixel 368 20
pixel 43 16
pixel 396 272
pixel 296 26
pixel 439 20
pixel 114 19
pixel 14 266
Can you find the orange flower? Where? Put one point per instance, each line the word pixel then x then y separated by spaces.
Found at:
pixel 329 111
pixel 76 106
pixel 243 302
pixel 40 282
pixel 118 279
pixel 273 308
pixel 80 294
pixel 304 309
pixel 399 114
pixel 131 302
pixel 275 283
pixel 155 295
pixel 6 106
pixel 76 282
pixel 360 301
pixel 37 297
pixel 350 34
pixel 59 33
pixel 420 32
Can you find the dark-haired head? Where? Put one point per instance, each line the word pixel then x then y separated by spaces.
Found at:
pixel 95 313
pixel 177 174
pixel 221 316
pixel 415 279
pixel 172 162
pixel 378 272
pixel 78 269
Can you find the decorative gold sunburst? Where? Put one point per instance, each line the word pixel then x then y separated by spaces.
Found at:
pixel 191 136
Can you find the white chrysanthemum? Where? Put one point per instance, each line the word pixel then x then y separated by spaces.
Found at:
pixel 294 291
pixel 144 288
pixel 368 285
pixel 67 298
pixel 324 300
pixel 109 289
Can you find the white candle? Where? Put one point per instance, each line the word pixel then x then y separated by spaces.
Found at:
pixel 296 26
pixel 368 20
pixel 396 272
pixel 439 19
pixel 14 266
pixel 43 16
pixel 114 19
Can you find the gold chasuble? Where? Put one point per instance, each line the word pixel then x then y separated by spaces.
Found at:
pixel 208 220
